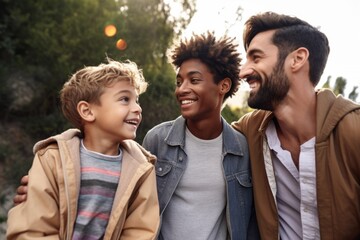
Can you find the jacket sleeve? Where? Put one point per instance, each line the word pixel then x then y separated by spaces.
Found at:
pixel 143 218
pixel 239 124
pixel 349 141
pixel 38 216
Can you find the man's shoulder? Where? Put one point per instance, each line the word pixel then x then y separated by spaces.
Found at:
pixel 256 115
pixel 254 118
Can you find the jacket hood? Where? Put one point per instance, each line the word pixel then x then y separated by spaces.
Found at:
pixel 330 110
pixel 136 150
pixel 67 135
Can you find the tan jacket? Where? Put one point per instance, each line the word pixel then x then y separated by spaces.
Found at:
pixel 51 206
pixel 337 152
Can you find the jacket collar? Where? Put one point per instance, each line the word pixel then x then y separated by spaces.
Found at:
pixel 231 144
pixel 330 109
pixel 265 122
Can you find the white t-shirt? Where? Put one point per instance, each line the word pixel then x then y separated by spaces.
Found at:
pixel 197 208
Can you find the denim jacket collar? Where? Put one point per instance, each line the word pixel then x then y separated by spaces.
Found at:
pixel 176 137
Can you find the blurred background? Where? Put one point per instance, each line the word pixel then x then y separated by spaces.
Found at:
pixel 43 42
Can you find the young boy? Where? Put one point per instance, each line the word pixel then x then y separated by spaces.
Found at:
pixel 93 182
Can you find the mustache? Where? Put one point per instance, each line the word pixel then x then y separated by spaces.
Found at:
pixel 252 77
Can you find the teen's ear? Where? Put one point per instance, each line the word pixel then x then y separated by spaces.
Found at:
pixel 299 58
pixel 85 112
pixel 225 85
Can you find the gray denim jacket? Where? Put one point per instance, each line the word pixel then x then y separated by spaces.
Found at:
pixel 167 142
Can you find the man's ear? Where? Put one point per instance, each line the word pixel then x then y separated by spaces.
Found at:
pixel 85 111
pixel 299 58
pixel 225 85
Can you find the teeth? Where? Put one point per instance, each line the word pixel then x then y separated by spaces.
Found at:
pixel 132 122
pixel 187 101
pixel 253 84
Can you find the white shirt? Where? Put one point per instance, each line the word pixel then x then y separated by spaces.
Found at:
pixel 197 209
pixel 296 189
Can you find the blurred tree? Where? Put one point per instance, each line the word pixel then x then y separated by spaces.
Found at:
pixel 229 114
pixel 354 94
pixel 327 83
pixel 340 86
pixel 49 40
pixel 43 42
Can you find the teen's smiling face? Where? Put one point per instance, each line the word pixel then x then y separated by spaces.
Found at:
pixel 118 115
pixel 196 91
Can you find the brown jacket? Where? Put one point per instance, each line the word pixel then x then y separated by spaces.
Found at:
pixel 337 153
pixel 51 206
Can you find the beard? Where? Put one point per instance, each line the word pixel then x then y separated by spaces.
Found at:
pixel 272 91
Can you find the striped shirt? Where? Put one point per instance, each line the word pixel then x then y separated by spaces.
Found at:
pixel 100 176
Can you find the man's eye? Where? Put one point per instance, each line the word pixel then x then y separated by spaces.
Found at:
pixel 256 58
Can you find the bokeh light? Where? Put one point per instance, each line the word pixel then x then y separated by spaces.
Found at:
pixel 110 30
pixel 121 44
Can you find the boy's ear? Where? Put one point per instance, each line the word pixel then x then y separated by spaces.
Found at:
pixel 225 85
pixel 85 112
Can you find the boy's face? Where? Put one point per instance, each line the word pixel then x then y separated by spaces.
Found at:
pixel 119 114
pixel 196 91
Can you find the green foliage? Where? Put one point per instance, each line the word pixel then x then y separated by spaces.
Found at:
pixel 340 86
pixel 15 146
pixel 158 103
pixel 5 99
pixel 354 94
pixel 232 114
pixel 327 83
pixel 229 115
pixel 43 42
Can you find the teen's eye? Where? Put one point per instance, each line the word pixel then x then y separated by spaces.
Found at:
pixel 194 80
pixel 178 82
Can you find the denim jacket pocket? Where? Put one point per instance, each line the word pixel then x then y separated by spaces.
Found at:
pixel 162 168
pixel 244 179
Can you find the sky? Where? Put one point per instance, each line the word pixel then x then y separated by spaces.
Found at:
pixel 339 20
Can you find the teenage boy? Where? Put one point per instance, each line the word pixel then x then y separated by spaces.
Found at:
pixel 203 170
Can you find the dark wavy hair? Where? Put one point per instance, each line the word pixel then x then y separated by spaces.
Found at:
pixel 291 33
pixel 220 55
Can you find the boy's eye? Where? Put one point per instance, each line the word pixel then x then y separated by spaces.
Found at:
pixel 125 99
